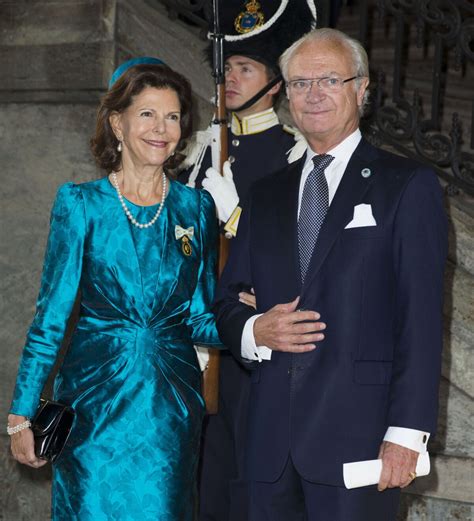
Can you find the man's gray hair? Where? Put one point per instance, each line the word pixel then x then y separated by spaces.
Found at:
pixel 357 52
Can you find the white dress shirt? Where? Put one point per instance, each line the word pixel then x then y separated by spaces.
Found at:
pixel 410 438
pixel 333 173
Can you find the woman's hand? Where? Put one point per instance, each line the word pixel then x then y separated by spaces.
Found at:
pixel 23 444
pixel 248 298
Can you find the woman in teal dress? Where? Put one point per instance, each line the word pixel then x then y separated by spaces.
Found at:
pixel 140 250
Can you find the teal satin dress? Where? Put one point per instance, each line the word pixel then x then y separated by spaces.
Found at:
pixel 131 371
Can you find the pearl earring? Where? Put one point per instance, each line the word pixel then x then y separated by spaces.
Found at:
pixel 119 146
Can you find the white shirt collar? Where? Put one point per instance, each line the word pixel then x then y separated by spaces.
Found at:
pixel 334 172
pixel 254 123
pixel 341 152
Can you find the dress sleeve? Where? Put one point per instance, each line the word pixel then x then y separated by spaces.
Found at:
pixel 59 285
pixel 201 319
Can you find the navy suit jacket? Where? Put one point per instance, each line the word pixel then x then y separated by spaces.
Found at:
pixel 378 288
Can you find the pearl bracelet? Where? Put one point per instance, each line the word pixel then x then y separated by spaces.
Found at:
pixel 20 427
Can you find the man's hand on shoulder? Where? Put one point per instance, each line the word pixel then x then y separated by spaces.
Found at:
pixel 283 328
pixel 397 464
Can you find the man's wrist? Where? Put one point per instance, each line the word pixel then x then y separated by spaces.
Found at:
pixel 249 349
pixel 258 340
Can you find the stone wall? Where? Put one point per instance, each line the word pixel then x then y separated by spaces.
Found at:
pixel 41 147
pixel 56 59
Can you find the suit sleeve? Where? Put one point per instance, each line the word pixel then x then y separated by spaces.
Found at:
pixel 419 255
pixel 59 285
pixel 201 320
pixel 230 313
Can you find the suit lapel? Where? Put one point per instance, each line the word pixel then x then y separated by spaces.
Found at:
pixel 349 193
pixel 287 204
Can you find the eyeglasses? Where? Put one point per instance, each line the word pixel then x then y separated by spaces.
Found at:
pixel 327 84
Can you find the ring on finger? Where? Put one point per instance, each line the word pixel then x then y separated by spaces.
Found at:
pixel 412 475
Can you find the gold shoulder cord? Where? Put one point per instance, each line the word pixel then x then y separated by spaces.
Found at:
pixel 232 224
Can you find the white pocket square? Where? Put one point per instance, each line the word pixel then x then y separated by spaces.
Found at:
pixel 362 217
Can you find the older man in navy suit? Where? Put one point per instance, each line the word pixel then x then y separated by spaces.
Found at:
pixel 356 237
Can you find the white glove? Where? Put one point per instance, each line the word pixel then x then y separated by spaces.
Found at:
pixel 222 190
pixel 298 149
pixel 202 354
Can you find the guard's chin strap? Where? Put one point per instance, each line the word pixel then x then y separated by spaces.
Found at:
pixel 259 94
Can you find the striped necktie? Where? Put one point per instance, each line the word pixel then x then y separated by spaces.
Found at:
pixel 314 206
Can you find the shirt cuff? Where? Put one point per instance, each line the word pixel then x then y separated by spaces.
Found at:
pixel 409 438
pixel 249 348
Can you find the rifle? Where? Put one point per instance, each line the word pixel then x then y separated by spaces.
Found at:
pixel 211 374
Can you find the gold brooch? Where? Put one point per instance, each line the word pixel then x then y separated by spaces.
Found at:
pixel 186 246
pixel 249 19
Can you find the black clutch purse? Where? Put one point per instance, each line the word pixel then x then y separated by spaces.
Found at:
pixel 51 427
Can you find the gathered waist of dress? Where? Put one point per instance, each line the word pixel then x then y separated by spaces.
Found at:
pixel 160 333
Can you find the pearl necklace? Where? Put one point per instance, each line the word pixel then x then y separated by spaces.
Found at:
pixel 128 213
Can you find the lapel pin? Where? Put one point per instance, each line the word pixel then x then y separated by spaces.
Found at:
pixel 365 172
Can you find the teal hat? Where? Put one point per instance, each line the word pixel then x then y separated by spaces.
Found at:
pixel 130 63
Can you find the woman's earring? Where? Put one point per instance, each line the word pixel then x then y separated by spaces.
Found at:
pixel 119 146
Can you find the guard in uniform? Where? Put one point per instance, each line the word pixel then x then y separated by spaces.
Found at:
pixel 258 145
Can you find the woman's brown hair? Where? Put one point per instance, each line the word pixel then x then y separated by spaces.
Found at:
pixel 120 96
